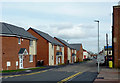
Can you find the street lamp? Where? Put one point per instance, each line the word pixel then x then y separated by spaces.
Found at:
pixel 98 33
pixel 98 44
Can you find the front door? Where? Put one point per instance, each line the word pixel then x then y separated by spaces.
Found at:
pixel 56 60
pixel 72 59
pixel 59 60
pixel 20 61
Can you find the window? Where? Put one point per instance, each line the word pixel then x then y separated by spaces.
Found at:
pixel 8 63
pixel 109 52
pixel 57 48
pixel 52 57
pixel 52 45
pixel 75 51
pixel 72 50
pixel 31 58
pixel 31 42
pixel 19 41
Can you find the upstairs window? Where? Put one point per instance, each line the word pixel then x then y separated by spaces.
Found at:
pixel 57 48
pixel 19 41
pixel 75 51
pixel 72 50
pixel 31 42
pixel 52 45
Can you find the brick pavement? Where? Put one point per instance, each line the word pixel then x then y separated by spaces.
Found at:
pixel 108 75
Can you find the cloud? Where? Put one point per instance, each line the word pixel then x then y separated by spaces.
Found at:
pixel 69 30
pixel 62 25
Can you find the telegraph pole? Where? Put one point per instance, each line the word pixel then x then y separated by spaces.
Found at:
pixel 107 49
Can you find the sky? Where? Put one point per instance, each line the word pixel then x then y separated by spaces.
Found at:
pixel 72 21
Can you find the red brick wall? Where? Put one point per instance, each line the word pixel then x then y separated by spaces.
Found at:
pixel 116 35
pixel 55 51
pixel 10 49
pixel 65 52
pixel 42 47
pixel 80 54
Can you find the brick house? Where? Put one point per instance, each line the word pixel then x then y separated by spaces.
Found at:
pixel 69 51
pixel 18 47
pixel 79 54
pixel 85 54
pixel 48 49
pixel 73 54
pixel 116 35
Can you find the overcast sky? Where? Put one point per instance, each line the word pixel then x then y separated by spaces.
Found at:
pixel 72 21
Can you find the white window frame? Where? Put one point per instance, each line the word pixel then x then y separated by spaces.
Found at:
pixel 52 57
pixel 31 42
pixel 72 50
pixel 75 51
pixel 58 48
pixel 8 63
pixel 30 58
pixel 19 41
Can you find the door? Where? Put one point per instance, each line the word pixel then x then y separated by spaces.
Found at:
pixel 20 61
pixel 84 56
pixel 73 59
pixel 59 60
pixel 56 60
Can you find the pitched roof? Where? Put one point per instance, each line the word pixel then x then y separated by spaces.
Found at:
pixel 65 43
pixel 76 46
pixel 23 51
pixel 47 37
pixel 8 29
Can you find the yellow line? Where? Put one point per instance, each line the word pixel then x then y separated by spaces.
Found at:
pixel 24 74
pixel 66 79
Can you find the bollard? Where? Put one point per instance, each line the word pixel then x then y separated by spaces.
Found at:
pixel 110 64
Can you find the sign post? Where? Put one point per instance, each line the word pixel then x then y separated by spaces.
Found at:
pixel 98 60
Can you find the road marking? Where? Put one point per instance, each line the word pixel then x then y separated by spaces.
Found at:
pixel 68 78
pixel 23 74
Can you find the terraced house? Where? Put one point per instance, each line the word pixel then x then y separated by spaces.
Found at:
pixel 18 47
pixel 49 50
pixel 69 51
pixel 79 54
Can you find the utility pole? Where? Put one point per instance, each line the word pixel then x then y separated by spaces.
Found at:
pixel 107 49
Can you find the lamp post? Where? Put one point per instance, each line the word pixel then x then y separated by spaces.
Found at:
pixel 98 44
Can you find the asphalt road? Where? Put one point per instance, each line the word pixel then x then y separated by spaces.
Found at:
pixel 74 73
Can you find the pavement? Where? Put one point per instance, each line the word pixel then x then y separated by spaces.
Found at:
pixel 108 75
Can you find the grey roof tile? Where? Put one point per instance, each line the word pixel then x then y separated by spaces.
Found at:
pixel 77 46
pixel 47 37
pixel 64 42
pixel 14 30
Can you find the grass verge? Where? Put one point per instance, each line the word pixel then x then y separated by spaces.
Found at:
pixel 7 71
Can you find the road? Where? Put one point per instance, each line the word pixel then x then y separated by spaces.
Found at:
pixel 77 73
